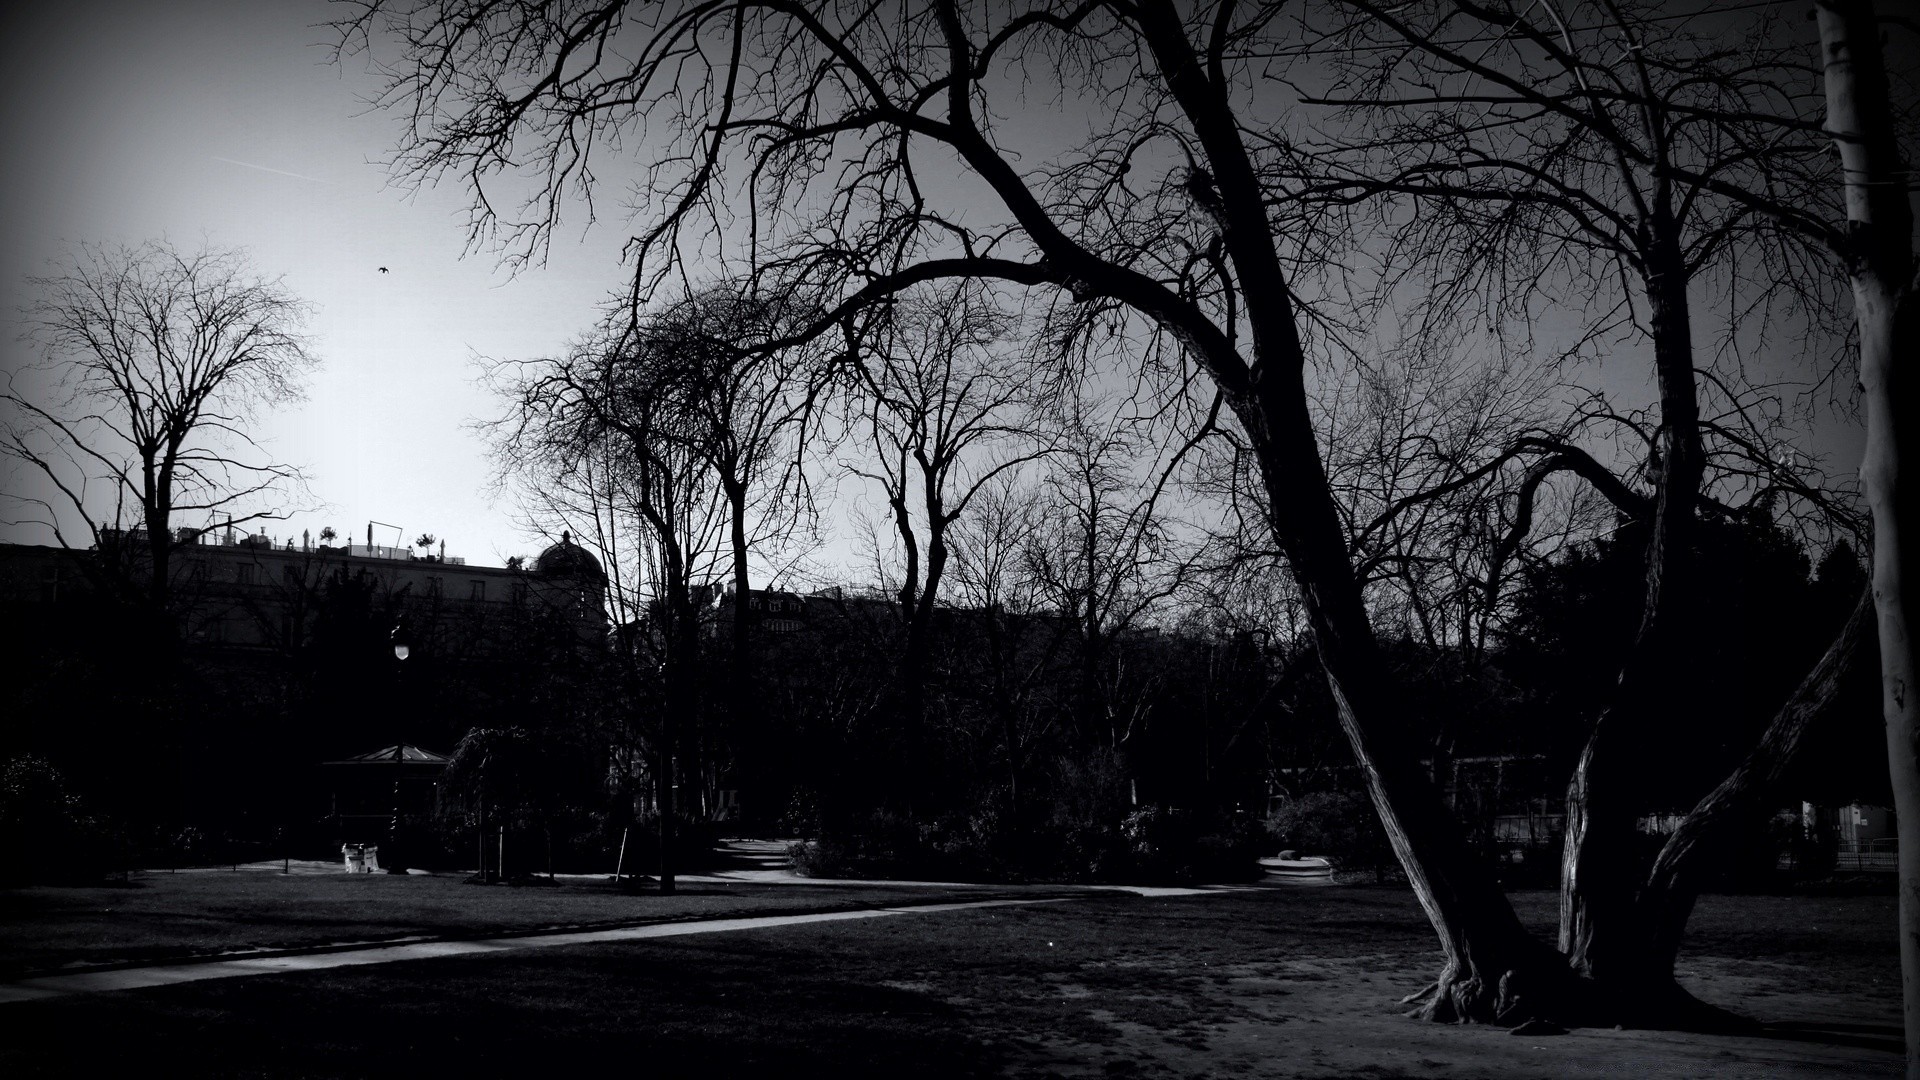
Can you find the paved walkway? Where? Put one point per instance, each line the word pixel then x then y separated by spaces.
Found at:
pixel 168 974
pixel 757 862
pixel 744 861
pixel 764 862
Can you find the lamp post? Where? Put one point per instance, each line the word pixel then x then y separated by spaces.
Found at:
pixel 402 642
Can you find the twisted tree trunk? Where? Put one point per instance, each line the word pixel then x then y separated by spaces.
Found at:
pixel 1493 969
pixel 1601 931
pixel 1740 800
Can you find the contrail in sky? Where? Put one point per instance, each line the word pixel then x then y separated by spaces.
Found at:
pixel 278 172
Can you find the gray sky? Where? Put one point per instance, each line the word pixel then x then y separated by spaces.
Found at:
pixel 224 120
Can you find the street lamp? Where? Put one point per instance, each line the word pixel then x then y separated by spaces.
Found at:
pixel 402 641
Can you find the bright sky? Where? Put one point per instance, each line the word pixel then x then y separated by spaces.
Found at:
pixel 224 120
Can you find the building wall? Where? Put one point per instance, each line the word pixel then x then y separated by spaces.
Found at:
pixel 250 593
pixel 282 668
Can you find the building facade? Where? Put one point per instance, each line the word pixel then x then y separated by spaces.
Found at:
pixel 281 655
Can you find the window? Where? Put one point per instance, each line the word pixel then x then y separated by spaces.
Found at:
pixel 243 573
pixel 433 586
pixel 519 592
pixel 477 590
pixel 291 575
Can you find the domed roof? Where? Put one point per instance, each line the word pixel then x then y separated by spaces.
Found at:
pixel 568 559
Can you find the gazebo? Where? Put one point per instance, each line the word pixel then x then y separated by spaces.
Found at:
pixel 375 790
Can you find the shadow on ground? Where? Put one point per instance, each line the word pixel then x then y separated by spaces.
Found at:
pixel 649 1010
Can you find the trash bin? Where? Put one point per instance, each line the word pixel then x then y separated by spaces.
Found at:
pixel 356 857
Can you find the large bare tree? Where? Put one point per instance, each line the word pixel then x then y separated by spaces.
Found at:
pixel 1550 151
pixel 820 142
pixel 155 364
pixel 1163 219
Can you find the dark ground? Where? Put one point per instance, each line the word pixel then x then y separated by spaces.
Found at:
pixel 1275 982
pixel 163 916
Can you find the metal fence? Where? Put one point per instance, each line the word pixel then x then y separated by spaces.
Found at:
pixel 1873 855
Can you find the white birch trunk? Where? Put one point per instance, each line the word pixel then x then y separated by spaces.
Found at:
pixel 1879 253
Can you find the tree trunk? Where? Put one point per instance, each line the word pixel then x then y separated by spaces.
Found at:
pixel 748 738
pixel 681 702
pixel 914 661
pixel 664 800
pixel 159 553
pixel 917 660
pixel 1601 932
pixel 1741 799
pixel 1493 969
pixel 1879 255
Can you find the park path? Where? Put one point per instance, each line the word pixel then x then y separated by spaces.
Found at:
pixel 743 861
pixel 764 862
pixel 167 974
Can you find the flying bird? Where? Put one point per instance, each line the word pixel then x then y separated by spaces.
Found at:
pixel 383 269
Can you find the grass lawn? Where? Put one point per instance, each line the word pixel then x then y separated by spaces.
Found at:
pixel 1266 983
pixel 160 915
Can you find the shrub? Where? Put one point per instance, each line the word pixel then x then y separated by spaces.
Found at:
pixel 876 845
pixel 1171 845
pixel 46 832
pixel 814 858
pixel 1082 839
pixel 1089 834
pixel 801 817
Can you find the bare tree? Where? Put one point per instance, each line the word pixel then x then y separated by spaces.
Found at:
pixel 742 413
pixel 1551 150
pixel 1106 552
pixel 1166 217
pixel 936 390
pixel 992 577
pixel 1438 515
pixel 601 436
pixel 154 364
pixel 822 129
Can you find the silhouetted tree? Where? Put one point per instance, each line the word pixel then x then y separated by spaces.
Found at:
pixel 154 362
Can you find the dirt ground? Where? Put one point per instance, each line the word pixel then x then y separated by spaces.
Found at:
pixel 1821 973
pixel 1328 1018
pixel 1271 983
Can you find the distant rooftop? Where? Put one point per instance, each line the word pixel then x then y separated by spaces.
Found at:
pixel 227 537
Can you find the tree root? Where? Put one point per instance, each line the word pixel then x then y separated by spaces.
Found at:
pixel 1566 1000
pixel 1457 999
